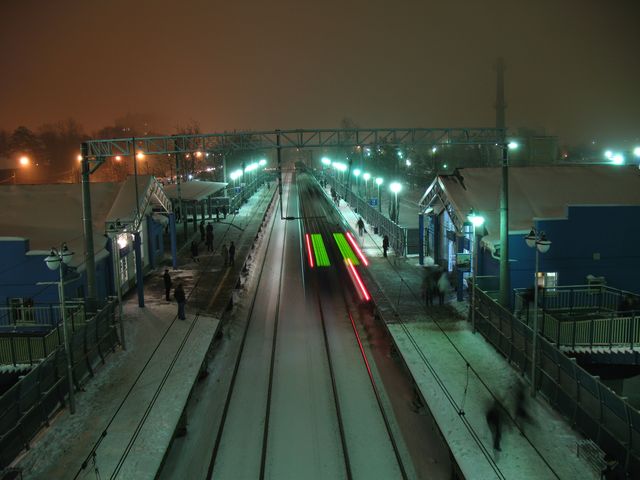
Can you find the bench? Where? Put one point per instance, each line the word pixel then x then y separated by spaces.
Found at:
pixel 588 450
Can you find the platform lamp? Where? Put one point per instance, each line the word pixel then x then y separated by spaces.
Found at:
pixel 396 187
pixel 379 181
pixel 54 261
pixel 537 240
pixel 476 221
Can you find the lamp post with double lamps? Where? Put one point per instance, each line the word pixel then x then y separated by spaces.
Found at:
pixel 54 261
pixel 476 221
pixel 537 240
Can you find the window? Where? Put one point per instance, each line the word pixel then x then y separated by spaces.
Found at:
pixel 548 280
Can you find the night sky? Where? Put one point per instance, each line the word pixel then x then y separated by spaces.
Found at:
pixel 573 66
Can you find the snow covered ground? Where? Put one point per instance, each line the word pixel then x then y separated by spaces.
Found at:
pixel 438 362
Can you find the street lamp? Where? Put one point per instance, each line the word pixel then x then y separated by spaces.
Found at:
pixel 366 177
pixel 537 240
pixel 379 181
pixel 54 261
pixel 357 173
pixel 476 221
pixel 395 187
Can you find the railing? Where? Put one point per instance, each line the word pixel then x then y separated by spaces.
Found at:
pixel 582 316
pixel 30 403
pixel 39 317
pixel 588 404
pixel 247 191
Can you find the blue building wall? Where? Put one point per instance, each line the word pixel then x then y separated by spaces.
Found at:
pixel 610 232
pixel 20 274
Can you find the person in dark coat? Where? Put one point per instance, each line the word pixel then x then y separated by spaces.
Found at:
pixel 360 226
pixel 232 254
pixel 224 252
pixel 385 245
pixel 167 284
pixel 202 233
pixel 429 287
pixel 194 251
pixel 443 287
pixel 494 420
pixel 224 212
pixel 209 237
pixel 181 298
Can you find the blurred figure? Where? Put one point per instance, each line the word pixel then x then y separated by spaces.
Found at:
pixel 194 251
pixel 360 226
pixel 224 252
pixel 521 400
pixel 385 245
pixel 181 299
pixel 429 287
pixel 443 287
pixel 494 420
pixel 202 233
pixel 209 237
pixel 167 284
pixel 232 254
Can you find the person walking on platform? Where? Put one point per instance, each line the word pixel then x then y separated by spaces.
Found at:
pixel 429 287
pixel 209 237
pixel 194 251
pixel 385 245
pixel 494 420
pixel 232 254
pixel 360 226
pixel 181 299
pixel 202 233
pixel 224 251
pixel 443 287
pixel 167 285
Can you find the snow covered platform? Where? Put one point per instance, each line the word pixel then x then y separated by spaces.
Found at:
pixel 116 402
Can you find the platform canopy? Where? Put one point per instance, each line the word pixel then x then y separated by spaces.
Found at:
pixel 194 191
pixel 535 193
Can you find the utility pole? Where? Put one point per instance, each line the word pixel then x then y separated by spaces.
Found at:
pixel 89 252
pixel 501 108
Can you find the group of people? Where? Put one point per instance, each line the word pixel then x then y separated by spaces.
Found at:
pixel 435 283
pixel 496 414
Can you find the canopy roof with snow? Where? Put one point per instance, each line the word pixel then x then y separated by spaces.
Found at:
pixel 195 191
pixel 535 193
pixel 49 215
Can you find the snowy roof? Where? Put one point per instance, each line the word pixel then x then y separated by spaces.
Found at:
pixel 49 215
pixel 194 191
pixel 536 192
pixel 149 196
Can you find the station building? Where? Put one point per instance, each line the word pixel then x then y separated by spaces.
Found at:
pixel 589 213
pixel 38 218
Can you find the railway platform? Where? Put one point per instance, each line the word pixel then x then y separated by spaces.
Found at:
pixel 458 375
pixel 127 414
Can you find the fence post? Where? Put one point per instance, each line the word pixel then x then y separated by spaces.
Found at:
pixel 591 334
pixel 611 331
pixel 632 325
pixel 13 351
pixel 573 335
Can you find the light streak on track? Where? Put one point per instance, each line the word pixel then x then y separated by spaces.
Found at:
pixel 309 252
pixel 355 246
pixel 358 280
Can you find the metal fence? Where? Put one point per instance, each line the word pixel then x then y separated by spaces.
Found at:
pixel 40 316
pixel 583 316
pixel 589 405
pixel 237 199
pixel 29 404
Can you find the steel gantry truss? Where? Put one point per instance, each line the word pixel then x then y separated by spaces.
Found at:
pixel 99 150
pixel 95 152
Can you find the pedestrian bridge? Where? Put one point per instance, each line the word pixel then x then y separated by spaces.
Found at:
pixel 587 320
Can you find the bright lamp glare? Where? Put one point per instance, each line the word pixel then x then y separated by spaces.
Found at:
pixel 24 161
pixel 395 187
pixel 262 162
pixel 326 161
pixel 617 159
pixel 513 145
pixel 379 181
pixel 608 154
pixel 356 172
pixel 476 220
pixel 636 151
pixel 366 177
